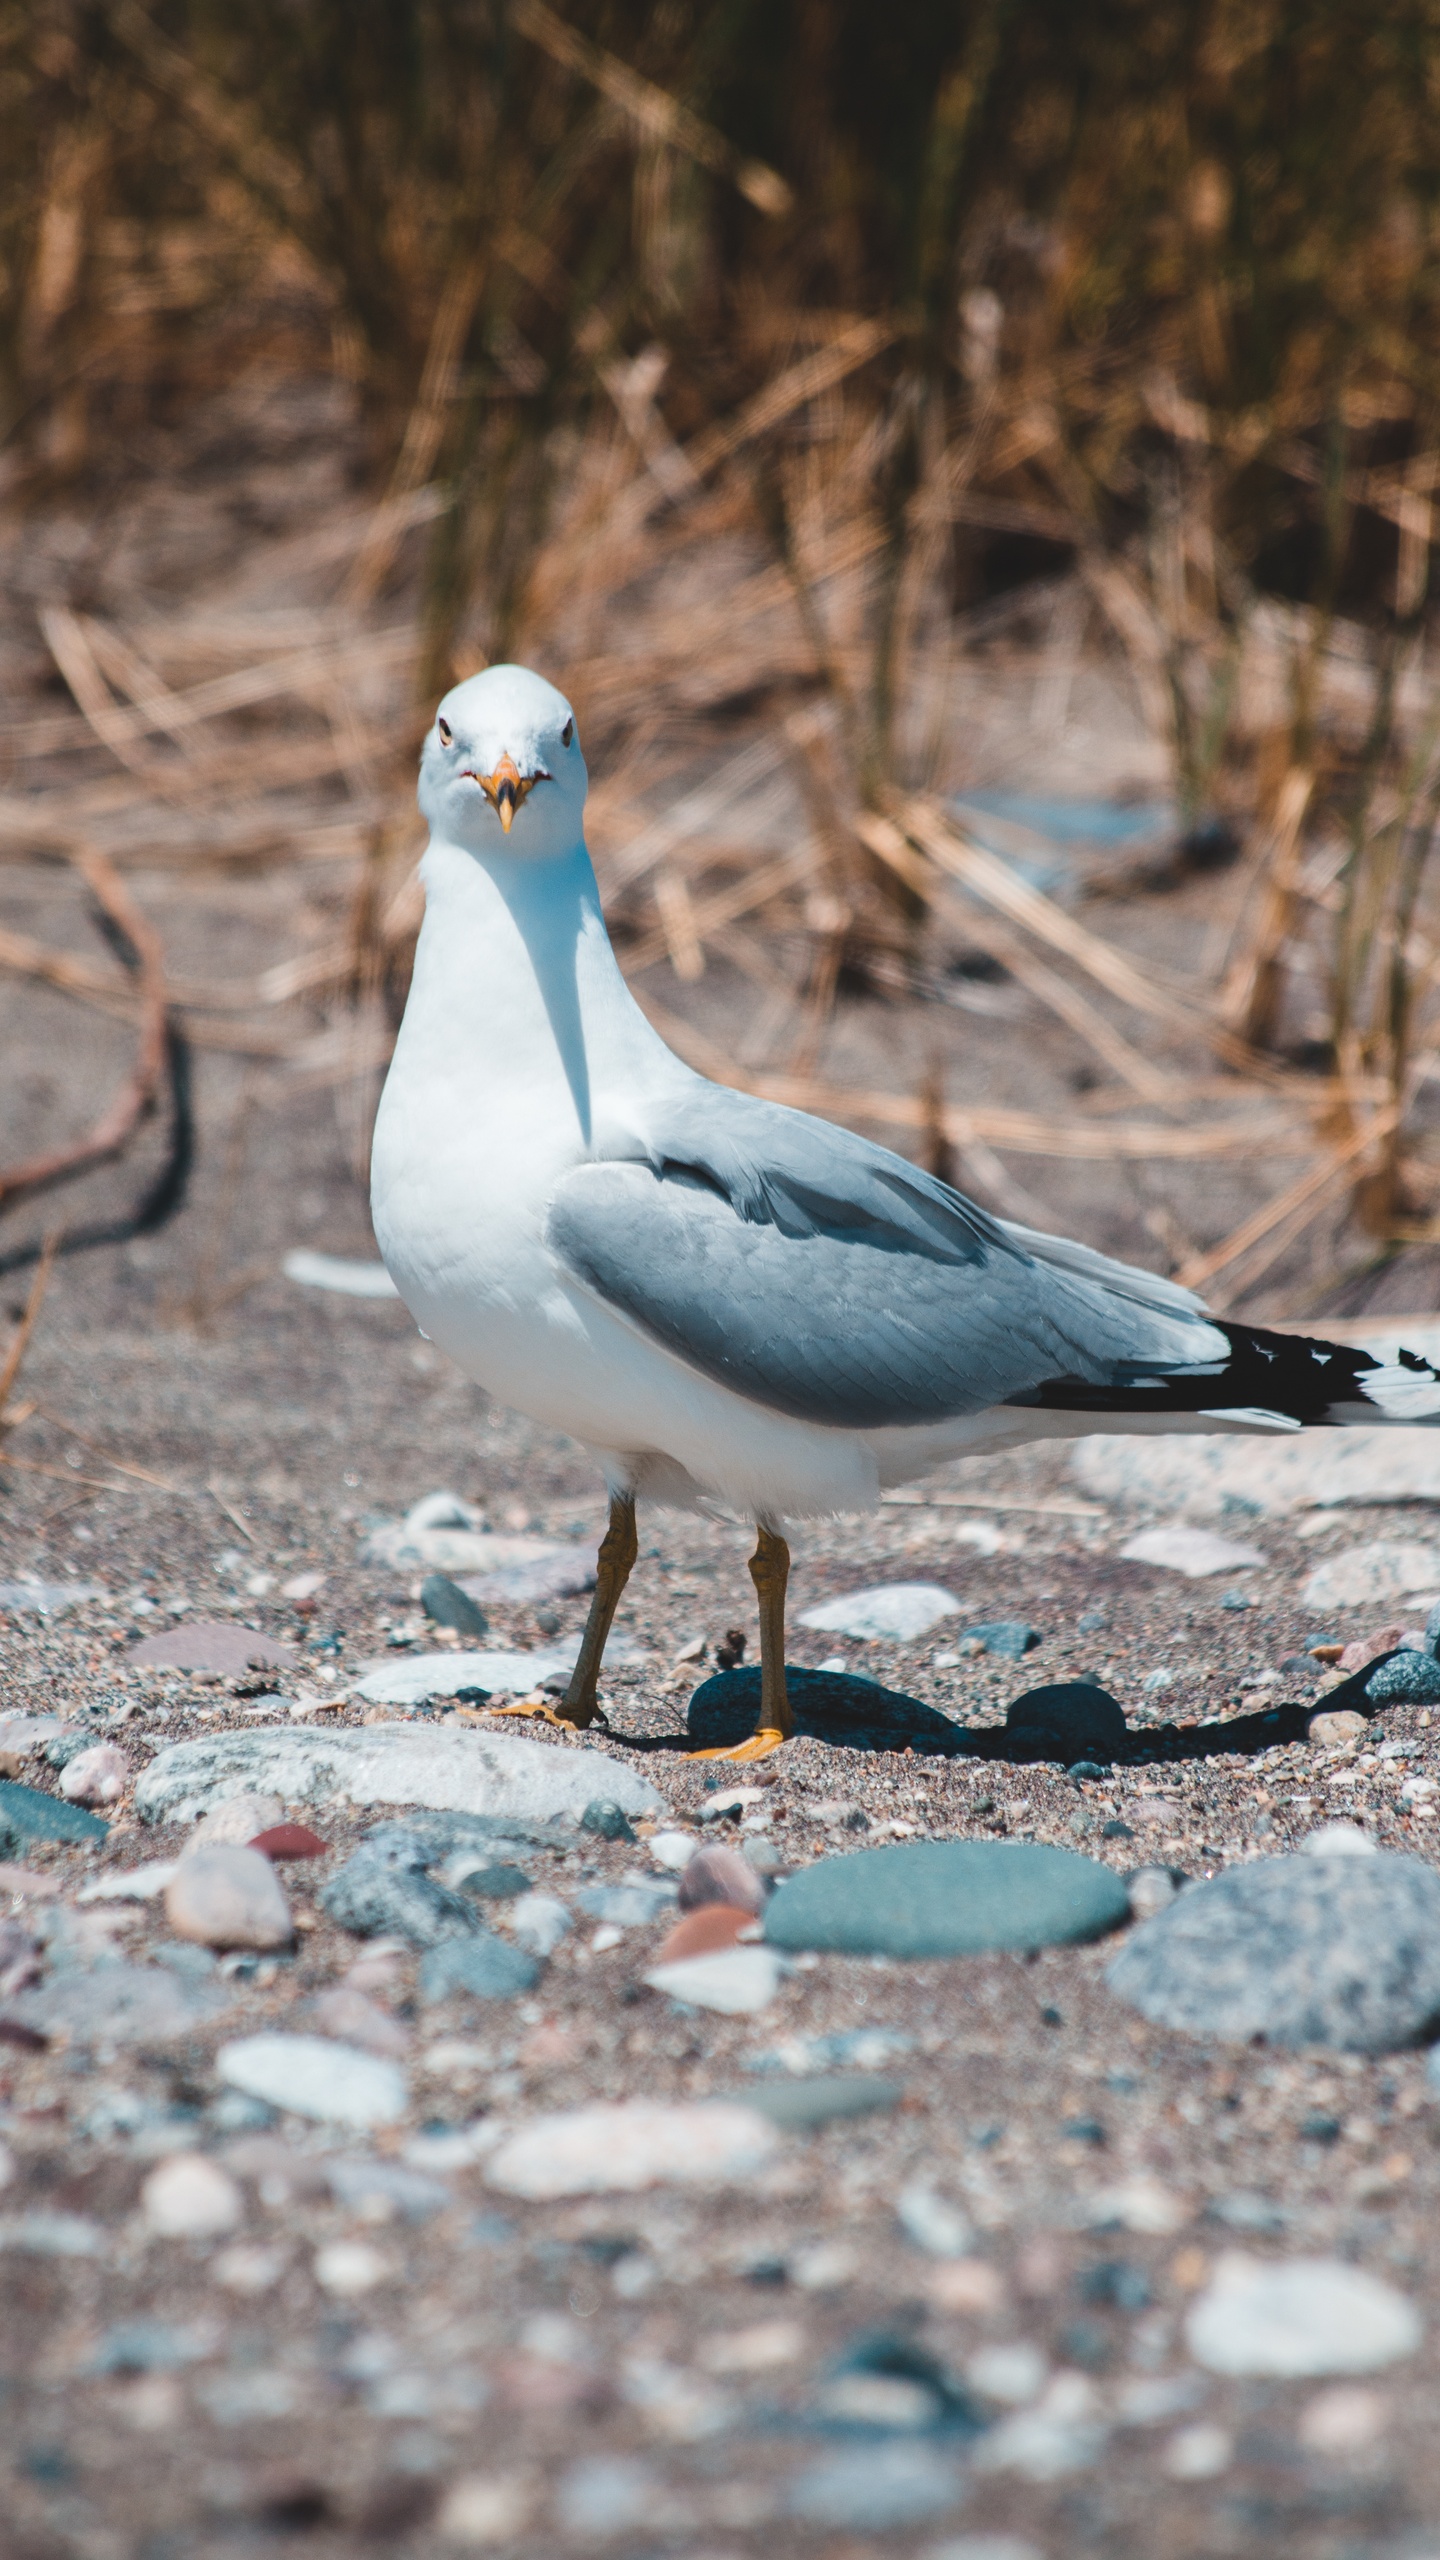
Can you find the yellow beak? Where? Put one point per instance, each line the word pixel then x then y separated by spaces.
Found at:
pixel 507 787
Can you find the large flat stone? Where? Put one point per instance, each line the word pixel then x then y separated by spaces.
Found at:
pixel 1297 1951
pixel 946 1898
pixel 216 1645
pixel 468 1772
pixel 116 2004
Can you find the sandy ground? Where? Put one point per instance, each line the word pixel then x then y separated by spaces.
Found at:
pixel 696 2336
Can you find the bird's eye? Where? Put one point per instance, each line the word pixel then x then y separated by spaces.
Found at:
pixel 567 734
pixel 447 734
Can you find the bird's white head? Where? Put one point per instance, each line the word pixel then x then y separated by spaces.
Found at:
pixel 501 768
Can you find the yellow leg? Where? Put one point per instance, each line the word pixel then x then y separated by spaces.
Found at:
pixel 618 1549
pixel 770 1572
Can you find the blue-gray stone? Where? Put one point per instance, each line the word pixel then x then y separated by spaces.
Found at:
pixel 446 1605
pixel 1295 1951
pixel 495 1883
pixel 27 1813
pixel 1411 1678
pixel 606 1821
pixel 946 1898
pixel 488 1968
pixel 1012 1637
pixel 797 2104
pixel 626 1906
pixel 876 2488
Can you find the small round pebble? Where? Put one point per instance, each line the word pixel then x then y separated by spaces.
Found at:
pixel 239 1818
pixel 673 1849
pixel 1149 1890
pixel 1302 2316
pixel 190 2198
pixel 721 1875
pixel 346 2268
pixel 228 1896
pixel 1332 1732
pixel 97 1776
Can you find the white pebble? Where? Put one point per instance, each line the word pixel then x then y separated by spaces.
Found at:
pixel 315 2076
pixel 736 1982
pixel 1338 1840
pixel 238 1818
pixel 616 2150
pixel 98 1776
pixel 349 2267
pixel 1301 2316
pixel 673 1849
pixel 938 2227
pixel 190 2198
pixel 228 1897
pixel 482 2509
pixel 1199 2453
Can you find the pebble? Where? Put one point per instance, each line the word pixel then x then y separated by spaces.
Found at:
pixel 1199 2453
pixel 560 1573
pixel 1343 2421
pixel 1278 1474
pixel 99 1775
pixel 486 1967
pixel 494 1882
pixel 1298 2317
pixel 738 1800
pixel 237 1818
pixel 485 1773
pixel 876 2488
pixel 933 2223
pixel 129 1882
pixel 27 1813
pixel 351 2015
pixel 618 2150
pixel 1332 1732
pixel 290 1840
pixel 737 1982
pixel 1013 2374
pixel 1150 1889
pixel 1179 1548
pixel 947 1898
pixel 216 1645
pixel 483 2510
pixel 1301 1950
pixel 446 1605
pixel 116 2004
pixel 604 2495
pixel 1377 1571
pixel 228 1897
pixel 631 1904
pixel 1409 1677
pixel 606 1820
pixel 316 2077
pixel 540 1921
pixel 705 1931
pixel 191 2198
pixel 798 2105
pixel 1337 1840
pixel 348 2268
pixel 1011 1638
pixel 48 1599
pixel 27 1882
pixel 673 1850
pixel 886 1612
pixel 1061 2434
pixel 723 1875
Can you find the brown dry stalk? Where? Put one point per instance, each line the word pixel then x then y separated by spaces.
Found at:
pixel 20 1339
pixel 425 428
pixel 1019 1132
pixel 1129 1064
pixel 1250 999
pixel 1309 1187
pixel 137 1091
pixel 649 107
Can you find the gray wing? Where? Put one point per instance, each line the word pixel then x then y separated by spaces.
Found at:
pixel 828 1279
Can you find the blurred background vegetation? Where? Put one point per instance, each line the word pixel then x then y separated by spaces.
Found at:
pixel 1140 295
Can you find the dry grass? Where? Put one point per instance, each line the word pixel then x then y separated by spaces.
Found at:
pixel 711 385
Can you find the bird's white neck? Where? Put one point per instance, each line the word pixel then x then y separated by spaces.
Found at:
pixel 517 989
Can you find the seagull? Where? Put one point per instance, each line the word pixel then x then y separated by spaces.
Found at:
pixel 735 1307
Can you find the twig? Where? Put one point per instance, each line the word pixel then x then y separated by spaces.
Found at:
pixel 232 1514
pixel 1310 1187
pixel 20 1340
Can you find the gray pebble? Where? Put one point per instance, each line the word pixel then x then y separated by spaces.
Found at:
pixel 446 1605
pixel 876 2488
pixel 486 1967
pixel 606 1821
pixel 1296 1950
pixel 946 1898
pixel 27 1813
pixel 1411 1677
